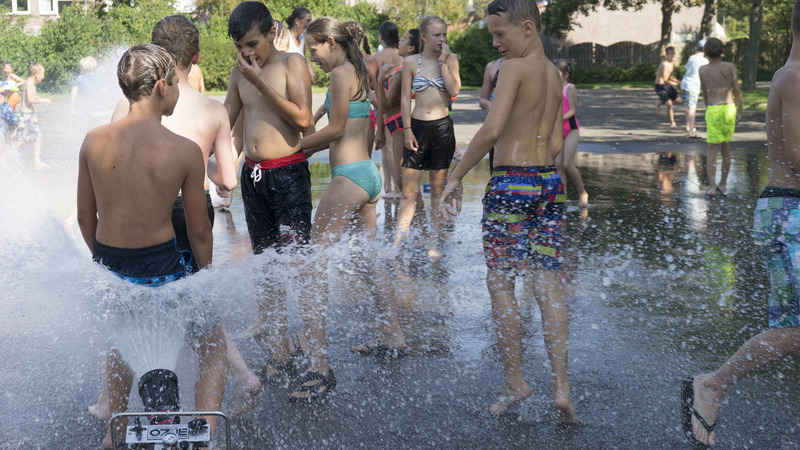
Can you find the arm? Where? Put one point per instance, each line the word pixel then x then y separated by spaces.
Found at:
pixel 557 136
pixel 320 112
pixel 486 89
pixel 225 173
pixel 233 102
pixel 405 105
pixel 87 204
pixel 194 205
pixel 380 130
pixel 121 110
pixel 17 79
pixel 32 97
pixel 73 95
pixel 340 106
pixel 572 96
pixel 737 93
pixel 296 109
pixel 384 101
pixel 703 86
pixel 450 74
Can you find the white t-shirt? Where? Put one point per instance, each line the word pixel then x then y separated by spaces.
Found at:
pixel 293 48
pixel 691 79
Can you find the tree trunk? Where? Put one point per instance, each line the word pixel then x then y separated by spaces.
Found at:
pixel 709 13
pixel 750 68
pixel 667 8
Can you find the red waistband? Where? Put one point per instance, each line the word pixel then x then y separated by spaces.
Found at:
pixel 277 162
pixel 393 118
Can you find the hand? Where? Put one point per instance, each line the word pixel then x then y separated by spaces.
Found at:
pixel 222 192
pixel 738 117
pixel 445 52
pixel 410 141
pixel 380 136
pixel 451 198
pixel 385 72
pixel 248 68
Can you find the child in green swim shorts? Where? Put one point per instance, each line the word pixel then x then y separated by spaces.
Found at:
pixel 720 88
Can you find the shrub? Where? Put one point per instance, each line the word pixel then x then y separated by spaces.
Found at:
pixel 474 49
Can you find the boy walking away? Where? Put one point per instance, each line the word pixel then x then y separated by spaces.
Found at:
pixel 776 210
pixel 524 201
pixel 130 173
pixel 665 85
pixel 30 130
pixel 271 90
pixel 690 85
pixel 720 89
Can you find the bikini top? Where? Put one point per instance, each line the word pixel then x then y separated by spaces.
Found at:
pixel 420 82
pixel 386 84
pixel 357 110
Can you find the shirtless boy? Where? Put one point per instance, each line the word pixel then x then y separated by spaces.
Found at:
pixel 775 210
pixel 125 206
pixel 271 90
pixel 720 89
pixel 524 201
pixel 31 131
pixel 204 122
pixel 665 85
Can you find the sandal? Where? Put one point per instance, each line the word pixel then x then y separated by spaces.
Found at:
pixel 323 384
pixel 375 347
pixel 292 368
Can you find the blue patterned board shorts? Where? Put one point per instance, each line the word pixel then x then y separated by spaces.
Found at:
pixel 690 97
pixel 777 231
pixel 522 215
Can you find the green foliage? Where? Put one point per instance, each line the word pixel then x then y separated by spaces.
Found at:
pixel 16 46
pixel 561 16
pixel 217 58
pixel 134 24
pixel 407 13
pixel 474 49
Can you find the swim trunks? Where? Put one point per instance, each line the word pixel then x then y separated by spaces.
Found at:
pixel 522 215
pixel 777 231
pixel 394 123
pixel 29 129
pixel 179 224
pixel 363 173
pixel 277 201
pixel 690 97
pixel 720 123
pixel 571 123
pixel 666 92
pixel 437 144
pixel 10 120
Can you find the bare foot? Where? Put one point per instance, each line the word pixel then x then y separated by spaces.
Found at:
pixel 509 397
pixel 711 191
pixel 247 395
pixel 706 403
pixel 583 199
pixel 722 188
pixel 673 125
pixel 100 412
pixel 565 412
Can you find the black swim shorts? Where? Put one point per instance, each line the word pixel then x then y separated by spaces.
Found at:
pixel 437 144
pixel 179 224
pixel 666 92
pixel 277 201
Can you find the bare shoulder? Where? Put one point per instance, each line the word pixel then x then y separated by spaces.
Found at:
pixel 785 81
pixel 292 60
pixel 411 62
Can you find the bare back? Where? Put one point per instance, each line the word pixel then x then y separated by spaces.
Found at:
pixel 532 87
pixel 783 128
pixel 28 89
pixel 719 81
pixel 136 170
pixel 266 134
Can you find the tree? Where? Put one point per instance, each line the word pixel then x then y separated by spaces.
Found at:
pixel 560 16
pixel 753 46
pixel 407 13
pixel 668 7
pixel 709 12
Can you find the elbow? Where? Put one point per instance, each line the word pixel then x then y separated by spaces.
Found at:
pixel 230 185
pixel 305 123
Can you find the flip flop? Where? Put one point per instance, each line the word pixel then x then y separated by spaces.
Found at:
pixel 724 193
pixel 325 383
pixel 375 347
pixel 688 410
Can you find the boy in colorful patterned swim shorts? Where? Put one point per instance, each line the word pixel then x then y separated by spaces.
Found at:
pixel 720 88
pixel 524 201
pixel 777 216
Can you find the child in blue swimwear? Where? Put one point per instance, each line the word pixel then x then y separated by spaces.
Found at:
pixel 524 201
pixel 776 212
pixel 127 224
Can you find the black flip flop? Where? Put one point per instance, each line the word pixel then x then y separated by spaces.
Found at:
pixel 381 350
pixel 688 410
pixel 325 383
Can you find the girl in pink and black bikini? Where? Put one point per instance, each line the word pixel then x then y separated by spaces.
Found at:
pixel 565 161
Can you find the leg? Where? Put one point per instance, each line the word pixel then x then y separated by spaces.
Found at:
pixel 438 178
pixel 711 168
pixel 397 155
pixel 412 179
pixel 691 114
pixel 670 115
pixel 37 154
pixel 387 164
pixel 570 149
pixel 726 167
pixel 555 328
pixel 248 386
pixel 508 327
pixel 212 373
pixel 116 382
pixel 759 351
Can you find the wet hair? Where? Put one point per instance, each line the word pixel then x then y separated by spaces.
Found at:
pixel 425 26
pixel 517 12
pixel 415 39
pixel 389 34
pixel 321 29
pixel 35 69
pixel 141 66
pixel 179 36
pixel 87 64
pixel 298 13
pixel 357 31
pixel 565 67
pixel 714 48
pixel 248 15
pixel 669 49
